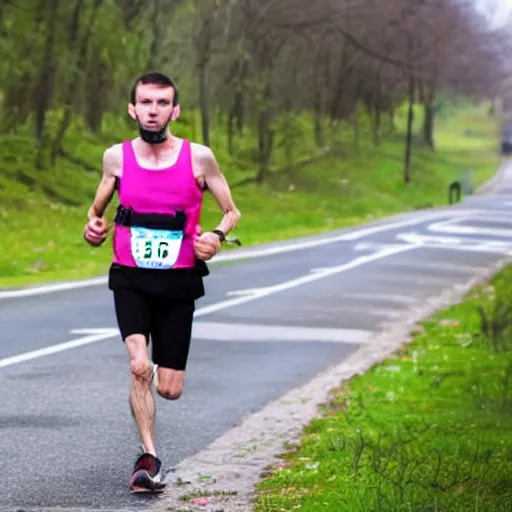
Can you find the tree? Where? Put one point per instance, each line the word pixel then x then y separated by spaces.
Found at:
pixel 247 66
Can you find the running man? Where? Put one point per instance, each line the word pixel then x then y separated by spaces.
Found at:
pixel 159 253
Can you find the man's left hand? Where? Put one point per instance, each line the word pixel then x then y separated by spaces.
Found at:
pixel 207 245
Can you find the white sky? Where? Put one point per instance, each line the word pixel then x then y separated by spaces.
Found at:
pixel 496 10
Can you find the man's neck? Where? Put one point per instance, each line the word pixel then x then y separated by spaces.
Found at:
pixel 155 150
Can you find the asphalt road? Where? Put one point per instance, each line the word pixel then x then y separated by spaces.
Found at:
pixel 269 323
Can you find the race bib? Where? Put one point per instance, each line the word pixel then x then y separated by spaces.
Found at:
pixel 155 248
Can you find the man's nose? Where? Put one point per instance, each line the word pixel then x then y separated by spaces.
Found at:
pixel 153 110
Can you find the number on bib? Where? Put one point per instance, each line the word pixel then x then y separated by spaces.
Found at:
pixel 155 248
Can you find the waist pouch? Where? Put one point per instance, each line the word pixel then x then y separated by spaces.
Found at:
pixel 128 217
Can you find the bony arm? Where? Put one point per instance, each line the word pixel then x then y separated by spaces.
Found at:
pixel 95 231
pixel 219 187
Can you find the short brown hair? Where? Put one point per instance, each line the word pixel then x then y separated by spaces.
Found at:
pixel 156 79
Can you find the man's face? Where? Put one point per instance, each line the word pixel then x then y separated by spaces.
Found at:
pixel 153 106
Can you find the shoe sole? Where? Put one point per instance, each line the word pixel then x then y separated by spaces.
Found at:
pixel 141 483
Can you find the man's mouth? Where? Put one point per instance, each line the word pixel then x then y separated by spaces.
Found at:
pixel 152 125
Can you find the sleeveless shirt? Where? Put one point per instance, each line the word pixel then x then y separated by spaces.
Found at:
pixel 156 261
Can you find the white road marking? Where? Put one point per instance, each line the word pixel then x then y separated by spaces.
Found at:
pixel 373 246
pixel 320 270
pixel 264 333
pixel 234 255
pixel 100 330
pixel 459 244
pixel 98 335
pixel 454 227
pixel 206 310
pixel 246 291
pixel 52 288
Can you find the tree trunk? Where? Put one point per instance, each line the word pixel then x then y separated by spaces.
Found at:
pixel 235 119
pixel 377 131
pixel 203 43
pixel 428 122
pixel 156 35
pixel 239 112
pixel 355 126
pixel 97 93
pixel 265 134
pixel 43 92
pixel 75 23
pixel 16 108
pixel 408 142
pixel 239 97
pixel 73 85
pixel 317 102
pixel 377 112
pixel 318 127
pixel 230 130
pixel 204 104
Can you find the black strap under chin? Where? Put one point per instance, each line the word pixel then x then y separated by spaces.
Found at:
pixel 128 217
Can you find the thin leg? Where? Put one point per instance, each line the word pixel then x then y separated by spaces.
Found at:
pixel 142 400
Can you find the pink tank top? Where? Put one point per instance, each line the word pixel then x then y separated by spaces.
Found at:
pixel 162 191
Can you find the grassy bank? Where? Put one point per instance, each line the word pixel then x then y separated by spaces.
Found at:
pixel 42 212
pixel 429 429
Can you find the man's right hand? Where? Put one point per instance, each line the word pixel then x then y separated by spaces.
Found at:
pixel 95 231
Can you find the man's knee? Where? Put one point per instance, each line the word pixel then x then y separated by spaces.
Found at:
pixel 169 393
pixel 140 366
pixel 141 369
pixel 170 383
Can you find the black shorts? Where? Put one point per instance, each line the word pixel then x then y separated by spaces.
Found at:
pixel 166 321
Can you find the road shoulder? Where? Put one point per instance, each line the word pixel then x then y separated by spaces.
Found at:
pixel 223 476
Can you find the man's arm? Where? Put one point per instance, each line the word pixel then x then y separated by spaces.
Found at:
pixel 106 188
pixel 218 186
pixel 96 229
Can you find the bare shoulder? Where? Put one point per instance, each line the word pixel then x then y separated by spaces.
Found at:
pixel 203 158
pixel 112 160
pixel 201 152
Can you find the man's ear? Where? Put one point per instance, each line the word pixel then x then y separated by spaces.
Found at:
pixel 175 113
pixel 131 111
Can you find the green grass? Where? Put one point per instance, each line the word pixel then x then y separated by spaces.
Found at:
pixel 43 212
pixel 429 429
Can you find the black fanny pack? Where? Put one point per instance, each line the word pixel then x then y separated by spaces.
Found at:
pixel 128 217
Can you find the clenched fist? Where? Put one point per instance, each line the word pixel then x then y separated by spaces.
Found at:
pixel 95 231
pixel 206 246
